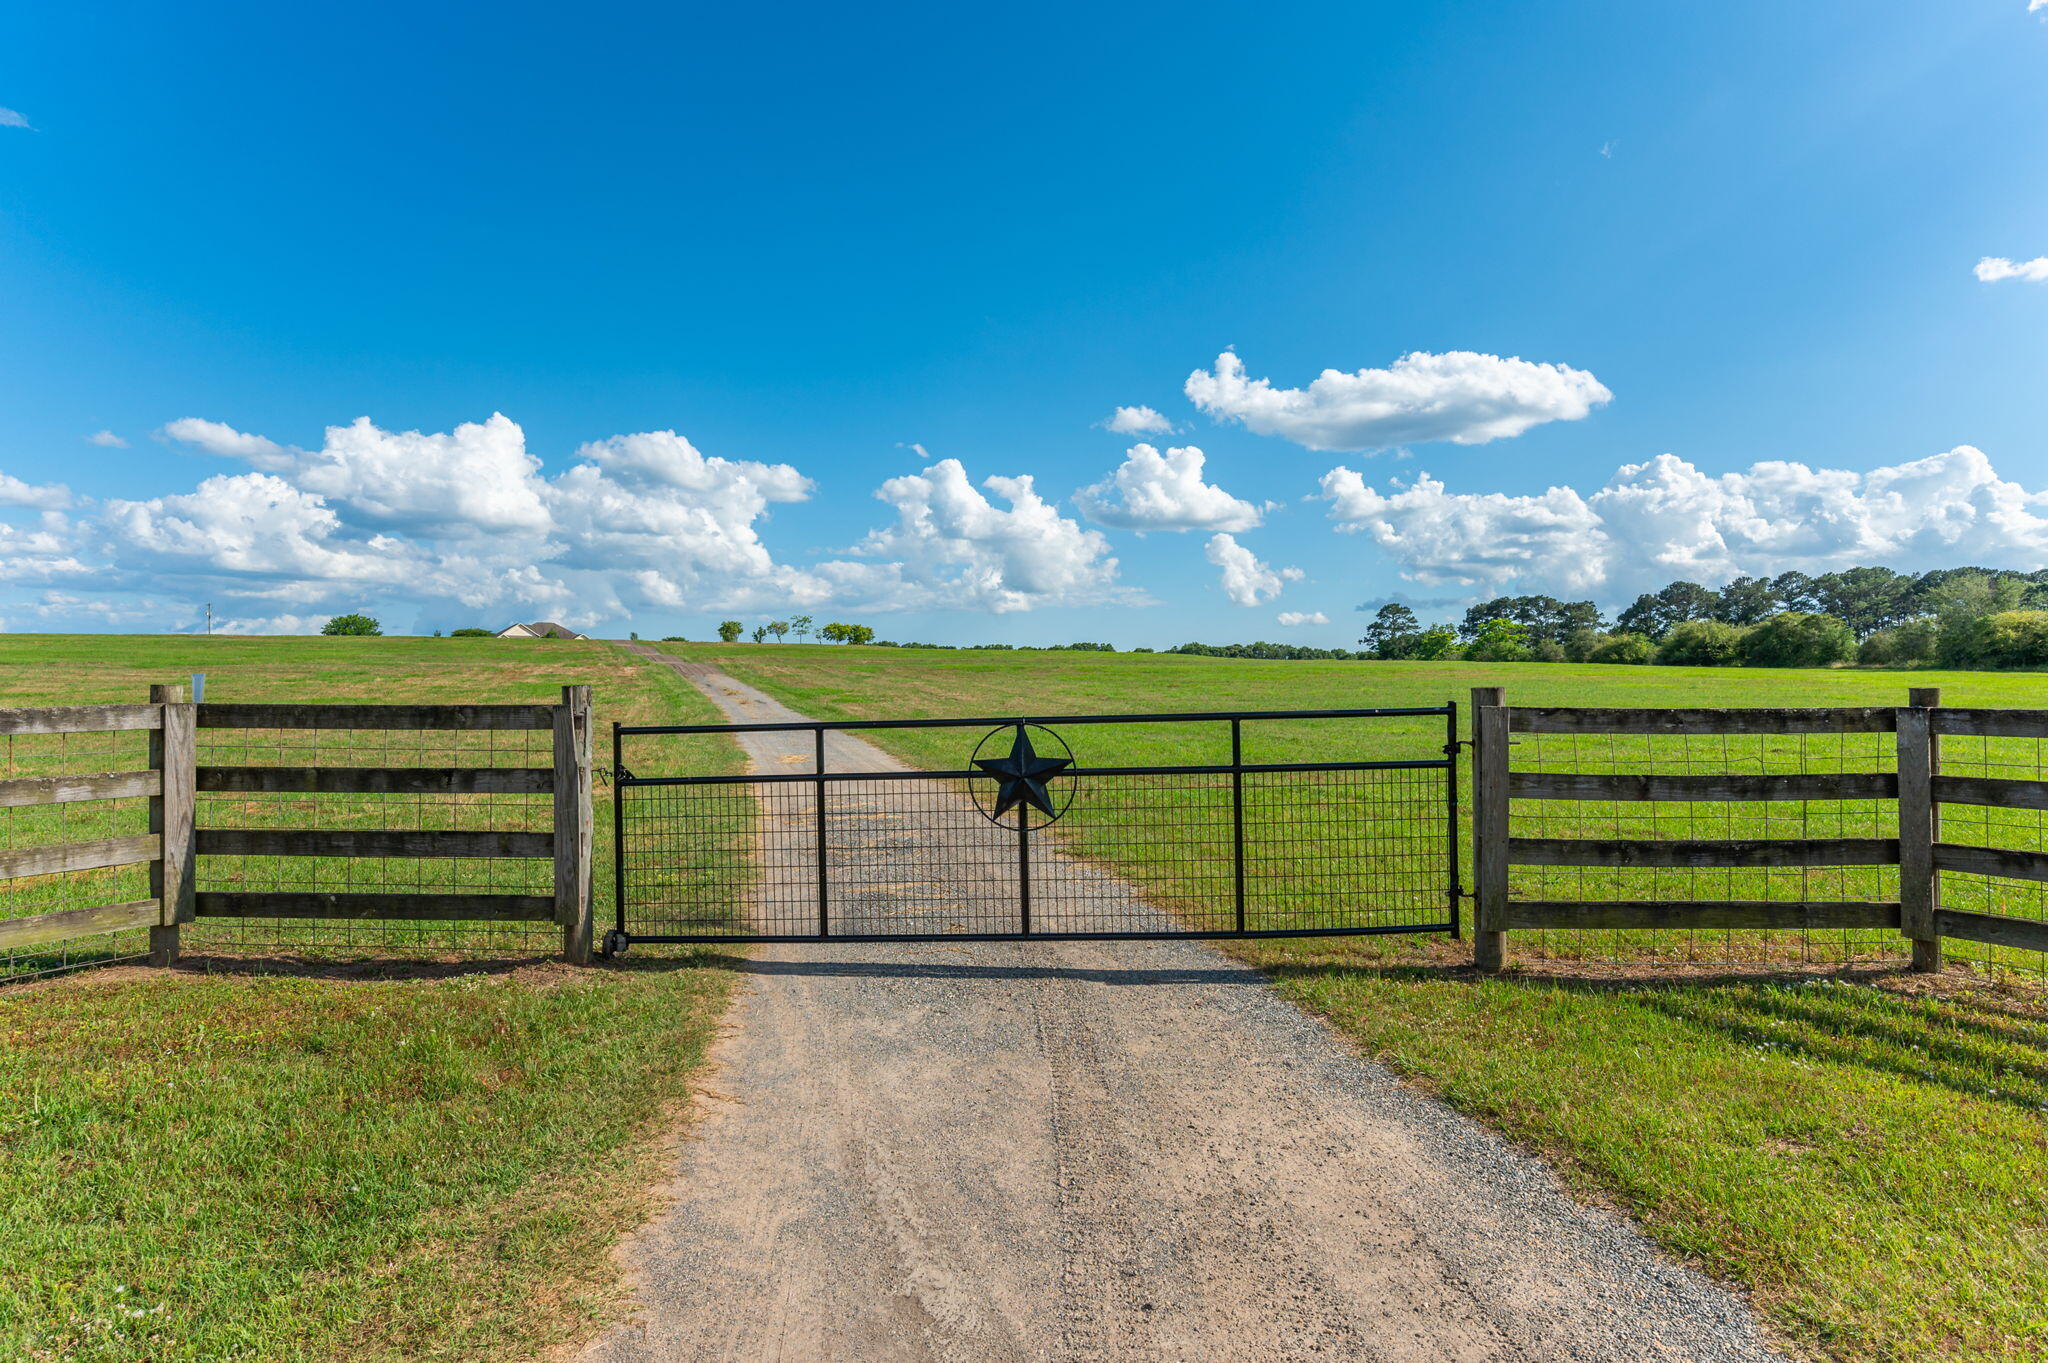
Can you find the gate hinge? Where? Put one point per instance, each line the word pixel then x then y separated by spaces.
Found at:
pixel 609 775
pixel 1451 748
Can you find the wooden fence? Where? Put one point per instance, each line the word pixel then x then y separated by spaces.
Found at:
pixel 1916 788
pixel 176 839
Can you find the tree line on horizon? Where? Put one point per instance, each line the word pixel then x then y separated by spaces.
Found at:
pixel 1954 617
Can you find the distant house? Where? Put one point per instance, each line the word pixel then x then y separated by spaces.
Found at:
pixel 539 629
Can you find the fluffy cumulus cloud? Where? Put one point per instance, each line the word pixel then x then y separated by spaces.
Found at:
pixel 465 527
pixel 1460 396
pixel 106 440
pixel 1293 618
pixel 1247 580
pixel 952 546
pixel 1140 420
pixel 1666 519
pixel 10 119
pixel 37 496
pixel 1164 491
pixel 1992 269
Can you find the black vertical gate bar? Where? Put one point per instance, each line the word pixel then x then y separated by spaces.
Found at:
pixel 618 826
pixel 1237 813
pixel 1023 857
pixel 824 897
pixel 1451 817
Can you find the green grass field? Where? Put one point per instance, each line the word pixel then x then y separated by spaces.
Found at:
pixel 236 1160
pixel 1866 1151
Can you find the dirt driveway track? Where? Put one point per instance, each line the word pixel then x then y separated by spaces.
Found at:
pixel 1078 1151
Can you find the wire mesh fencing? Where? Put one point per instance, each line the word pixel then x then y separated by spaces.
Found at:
pixel 1839 802
pixel 322 832
pixel 38 812
pixel 1995 796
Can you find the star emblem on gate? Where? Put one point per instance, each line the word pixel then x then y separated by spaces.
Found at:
pixel 1021 776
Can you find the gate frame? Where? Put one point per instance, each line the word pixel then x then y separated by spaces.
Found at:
pixel 618 938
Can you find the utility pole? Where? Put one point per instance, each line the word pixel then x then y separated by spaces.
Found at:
pixel 209 617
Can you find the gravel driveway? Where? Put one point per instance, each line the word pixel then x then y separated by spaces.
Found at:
pixel 1073 1151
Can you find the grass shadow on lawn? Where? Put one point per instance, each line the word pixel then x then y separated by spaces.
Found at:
pixel 1865 1149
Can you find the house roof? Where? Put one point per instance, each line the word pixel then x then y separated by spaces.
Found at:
pixel 546 629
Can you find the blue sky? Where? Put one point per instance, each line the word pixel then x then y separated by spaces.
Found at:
pixel 832 250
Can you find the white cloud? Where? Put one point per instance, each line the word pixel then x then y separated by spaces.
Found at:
pixel 217 437
pixel 952 546
pixel 1293 618
pixel 1139 420
pixel 1471 538
pixel 10 119
pixel 1154 491
pixel 1246 580
pixel 36 496
pixel 1460 396
pixel 1665 519
pixel 1991 269
pixel 107 440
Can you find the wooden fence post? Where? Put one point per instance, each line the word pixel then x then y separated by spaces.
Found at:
pixel 173 756
pixel 1919 827
pixel 1490 826
pixel 572 823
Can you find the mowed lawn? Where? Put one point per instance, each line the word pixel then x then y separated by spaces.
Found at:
pixel 368 1160
pixel 1865 1151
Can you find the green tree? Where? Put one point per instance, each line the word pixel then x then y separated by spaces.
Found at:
pixel 760 633
pixel 859 634
pixel 1701 643
pixel 1623 647
pixel 729 630
pixel 1798 639
pixel 2015 639
pixel 1435 644
pixel 778 628
pixel 1794 592
pixel 1499 641
pixel 352 625
pixel 1654 613
pixel 834 633
pixel 1547 618
pixel 469 632
pixel 1960 604
pixel 1866 599
pixel 1744 601
pixel 1393 631
pixel 800 625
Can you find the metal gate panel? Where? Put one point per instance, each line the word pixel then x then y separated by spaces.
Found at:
pixel 1024 840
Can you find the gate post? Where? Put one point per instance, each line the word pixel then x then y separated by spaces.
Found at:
pixel 1490 826
pixel 172 755
pixel 1919 827
pixel 572 823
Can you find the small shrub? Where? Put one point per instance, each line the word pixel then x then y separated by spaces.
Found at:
pixel 1798 639
pixel 1701 643
pixel 471 632
pixel 1623 647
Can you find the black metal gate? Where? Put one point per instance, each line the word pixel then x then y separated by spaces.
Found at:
pixel 1009 833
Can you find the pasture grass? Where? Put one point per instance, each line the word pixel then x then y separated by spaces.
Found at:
pixel 248 1158
pixel 244 1166
pixel 1865 1151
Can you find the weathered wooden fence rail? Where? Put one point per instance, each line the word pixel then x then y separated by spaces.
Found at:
pixel 177 838
pixel 1915 787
